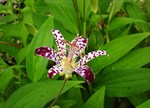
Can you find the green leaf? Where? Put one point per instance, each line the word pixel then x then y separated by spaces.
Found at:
pixel 138 99
pixel 94 6
pixel 15 30
pixel 31 29
pixel 11 29
pixel 126 31
pixel 126 82
pixel 80 4
pixel 122 21
pixel 2 62
pixel 104 5
pixel 65 103
pixel 38 19
pixel 96 100
pixel 115 7
pixel 8 18
pixel 116 49
pixel 55 106
pixel 75 94
pixel 143 58
pixel 62 11
pixel 36 95
pixel 24 33
pixel 135 12
pixel 5 77
pixel 36 65
pixel 21 54
pixel 9 49
pixel 145 104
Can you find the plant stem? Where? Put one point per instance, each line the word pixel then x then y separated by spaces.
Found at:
pixel 90 90
pixel 112 11
pixel 105 26
pixel 63 85
pixel 5 43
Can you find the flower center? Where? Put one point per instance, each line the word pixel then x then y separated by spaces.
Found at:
pixel 68 67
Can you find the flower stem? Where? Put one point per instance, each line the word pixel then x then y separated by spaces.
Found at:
pixel 63 85
pixel 90 90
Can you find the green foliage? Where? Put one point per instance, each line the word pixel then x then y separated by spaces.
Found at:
pixel 37 94
pixel 121 27
pixel 36 66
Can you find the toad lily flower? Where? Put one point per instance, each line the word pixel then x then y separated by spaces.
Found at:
pixel 65 58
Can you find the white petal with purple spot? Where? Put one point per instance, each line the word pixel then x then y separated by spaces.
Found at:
pixel 46 52
pixel 54 71
pixel 78 44
pixel 59 39
pixel 91 56
pixel 86 73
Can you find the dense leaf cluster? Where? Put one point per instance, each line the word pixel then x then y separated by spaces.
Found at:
pixel 121 27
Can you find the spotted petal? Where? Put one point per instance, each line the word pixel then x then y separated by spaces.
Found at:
pixel 79 43
pixel 54 71
pixel 60 42
pixel 46 52
pixel 91 56
pixel 86 73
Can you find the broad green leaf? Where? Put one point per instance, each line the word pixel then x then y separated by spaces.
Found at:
pixel 15 30
pixel 95 40
pixel 31 29
pixel 63 11
pixel 126 82
pixel 145 104
pixel 21 54
pixel 2 62
pixel 138 99
pixel 96 100
pixel 11 29
pixel 131 61
pixel 104 5
pixel 122 21
pixel 116 49
pixel 4 7
pixel 80 4
pixel 8 18
pixel 11 50
pixel 55 106
pixel 5 77
pixel 117 5
pixel 114 7
pixel 66 103
pixel 94 6
pixel 126 31
pixel 36 65
pixel 75 94
pixel 27 15
pixel 30 3
pixel 36 95
pixel 38 19
pixel 24 34
pixel 135 12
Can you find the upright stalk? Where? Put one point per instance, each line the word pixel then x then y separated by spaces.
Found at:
pixel 63 85
pixel 105 26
